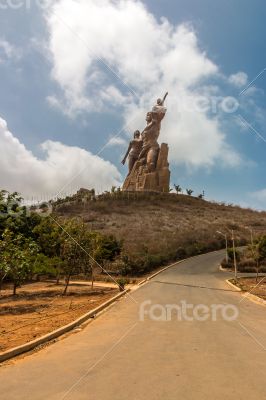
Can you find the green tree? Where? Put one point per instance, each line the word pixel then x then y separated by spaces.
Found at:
pixel 43 265
pixel 76 249
pixel 49 236
pixel 4 267
pixel 262 248
pixel 260 254
pixel 15 217
pixel 10 207
pixel 18 254
pixel 107 248
pixel 178 188
pixel 201 195
pixel 189 192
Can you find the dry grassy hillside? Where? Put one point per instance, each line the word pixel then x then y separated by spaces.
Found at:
pixel 169 226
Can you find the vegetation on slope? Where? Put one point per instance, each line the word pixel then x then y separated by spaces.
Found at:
pixel 118 233
pixel 158 228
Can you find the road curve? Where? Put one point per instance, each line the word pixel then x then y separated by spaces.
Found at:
pixel 121 357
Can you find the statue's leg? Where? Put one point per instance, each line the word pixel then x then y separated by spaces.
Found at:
pixel 131 163
pixel 143 153
pixel 152 157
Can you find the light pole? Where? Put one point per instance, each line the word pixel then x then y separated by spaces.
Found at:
pixel 234 252
pixel 251 235
pixel 253 250
pixel 226 245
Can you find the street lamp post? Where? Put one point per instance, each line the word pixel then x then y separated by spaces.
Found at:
pixel 226 245
pixel 253 250
pixel 234 252
pixel 251 236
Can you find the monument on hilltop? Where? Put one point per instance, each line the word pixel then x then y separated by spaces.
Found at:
pixel 147 160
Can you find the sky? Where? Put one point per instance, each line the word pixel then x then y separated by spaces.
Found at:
pixel 78 76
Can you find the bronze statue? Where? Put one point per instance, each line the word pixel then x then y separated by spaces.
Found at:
pixel 150 149
pixel 133 151
pixel 148 161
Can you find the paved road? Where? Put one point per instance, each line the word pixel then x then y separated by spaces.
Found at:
pixel 120 357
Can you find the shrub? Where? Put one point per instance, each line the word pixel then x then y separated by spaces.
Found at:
pixel 181 253
pixel 225 264
pixel 122 282
pixel 231 254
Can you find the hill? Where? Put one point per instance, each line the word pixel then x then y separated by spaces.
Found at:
pixel 156 228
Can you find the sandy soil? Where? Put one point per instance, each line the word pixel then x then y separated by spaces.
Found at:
pixel 256 288
pixel 40 308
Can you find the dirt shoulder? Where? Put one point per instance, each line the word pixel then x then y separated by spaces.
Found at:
pixel 40 308
pixel 250 285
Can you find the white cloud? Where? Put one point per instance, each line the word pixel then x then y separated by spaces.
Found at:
pixel 260 195
pixel 53 101
pixel 7 50
pixel 194 139
pixel 257 199
pixel 23 172
pixel 88 38
pixel 117 141
pixel 124 37
pixel 239 79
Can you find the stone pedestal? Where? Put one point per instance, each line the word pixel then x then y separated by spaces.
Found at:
pixel 158 180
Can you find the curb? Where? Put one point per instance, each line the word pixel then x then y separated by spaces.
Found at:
pixel 6 355
pixel 247 295
pixel 237 289
pixel 141 282
pixel 255 299
pixel 225 269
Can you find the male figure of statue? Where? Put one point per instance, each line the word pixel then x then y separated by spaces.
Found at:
pixel 150 148
pixel 133 151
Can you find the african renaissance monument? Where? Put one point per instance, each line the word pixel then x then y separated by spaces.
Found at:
pixel 147 160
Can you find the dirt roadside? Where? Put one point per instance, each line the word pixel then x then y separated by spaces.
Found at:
pixel 40 308
pixel 250 285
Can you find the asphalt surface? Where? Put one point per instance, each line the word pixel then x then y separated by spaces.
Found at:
pixel 118 356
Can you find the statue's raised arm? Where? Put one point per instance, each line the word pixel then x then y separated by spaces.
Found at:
pixel 164 98
pixel 159 110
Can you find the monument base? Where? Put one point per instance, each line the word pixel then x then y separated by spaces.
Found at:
pixel 141 179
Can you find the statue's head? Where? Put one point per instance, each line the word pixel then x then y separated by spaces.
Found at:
pixel 159 102
pixel 136 134
pixel 149 117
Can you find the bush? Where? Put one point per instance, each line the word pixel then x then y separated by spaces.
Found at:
pixel 139 264
pixel 231 254
pixel 122 282
pixel 43 265
pixel 228 264
pixel 247 263
pixel 181 253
